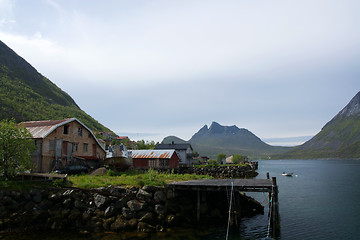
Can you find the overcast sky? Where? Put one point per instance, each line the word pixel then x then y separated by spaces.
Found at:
pixel 149 68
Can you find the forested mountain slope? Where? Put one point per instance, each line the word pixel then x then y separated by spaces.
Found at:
pixel 339 138
pixel 26 95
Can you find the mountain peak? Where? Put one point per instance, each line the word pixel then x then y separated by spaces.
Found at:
pixel 229 140
pixel 216 128
pixel 352 109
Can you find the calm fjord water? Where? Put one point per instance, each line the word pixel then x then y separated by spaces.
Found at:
pixel 320 201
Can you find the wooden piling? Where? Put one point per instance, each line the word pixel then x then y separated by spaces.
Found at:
pixel 198 206
pixel 268 177
pixel 275 221
pixel 238 185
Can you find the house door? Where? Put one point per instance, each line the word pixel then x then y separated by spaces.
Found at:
pixel 69 149
pixel 94 150
pixel 64 148
pixel 58 148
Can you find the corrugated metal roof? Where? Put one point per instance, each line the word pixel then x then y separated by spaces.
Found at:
pixel 40 129
pixel 152 153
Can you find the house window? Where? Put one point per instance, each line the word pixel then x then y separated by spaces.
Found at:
pixel 80 131
pixel 163 163
pixel 75 147
pixel 85 147
pixel 52 145
pixel 152 163
pixel 89 135
pixel 66 129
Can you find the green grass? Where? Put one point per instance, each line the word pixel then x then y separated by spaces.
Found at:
pixel 128 178
pixel 131 178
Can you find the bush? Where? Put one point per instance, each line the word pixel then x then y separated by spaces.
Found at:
pixel 16 147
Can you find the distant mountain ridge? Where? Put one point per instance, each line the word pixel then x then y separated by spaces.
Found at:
pixel 339 138
pixel 232 135
pixel 211 141
pixel 26 95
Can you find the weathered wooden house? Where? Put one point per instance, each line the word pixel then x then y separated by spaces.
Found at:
pixel 155 159
pixel 184 151
pixel 64 142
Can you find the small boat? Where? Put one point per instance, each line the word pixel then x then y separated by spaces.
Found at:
pixel 287 174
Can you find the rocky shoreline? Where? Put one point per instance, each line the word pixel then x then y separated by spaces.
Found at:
pixel 116 209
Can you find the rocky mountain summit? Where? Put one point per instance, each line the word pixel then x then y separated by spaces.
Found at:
pixel 352 109
pixel 210 141
pixel 229 135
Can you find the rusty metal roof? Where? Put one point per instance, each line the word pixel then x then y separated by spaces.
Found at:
pixel 152 153
pixel 40 129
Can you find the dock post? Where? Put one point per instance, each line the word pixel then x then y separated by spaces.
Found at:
pixel 275 209
pixel 237 210
pixel 198 206
pixel 268 177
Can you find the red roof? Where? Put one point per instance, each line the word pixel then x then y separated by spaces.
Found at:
pixel 121 137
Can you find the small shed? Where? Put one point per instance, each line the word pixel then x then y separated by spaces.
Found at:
pixel 155 159
pixel 184 151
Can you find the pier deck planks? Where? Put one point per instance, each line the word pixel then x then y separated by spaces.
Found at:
pixel 244 185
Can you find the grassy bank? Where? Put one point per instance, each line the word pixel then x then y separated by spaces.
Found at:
pixel 130 178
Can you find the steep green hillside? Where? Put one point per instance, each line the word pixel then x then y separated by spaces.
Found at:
pixel 26 95
pixel 339 138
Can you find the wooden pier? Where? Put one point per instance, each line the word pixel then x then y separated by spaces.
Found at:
pixel 237 185
pixel 242 185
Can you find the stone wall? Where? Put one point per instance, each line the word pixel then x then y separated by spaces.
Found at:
pixel 221 171
pixel 116 209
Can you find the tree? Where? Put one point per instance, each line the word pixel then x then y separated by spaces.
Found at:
pixel 220 158
pixel 237 158
pixel 141 144
pixel 16 147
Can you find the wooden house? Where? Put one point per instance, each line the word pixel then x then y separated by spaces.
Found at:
pixel 155 159
pixel 64 142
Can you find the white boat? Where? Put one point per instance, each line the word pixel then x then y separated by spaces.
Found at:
pixel 287 174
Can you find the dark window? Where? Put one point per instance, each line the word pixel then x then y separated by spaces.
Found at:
pixel 164 163
pixel 66 129
pixel 85 148
pixel 76 147
pixel 80 131
pixel 52 145
pixel 152 163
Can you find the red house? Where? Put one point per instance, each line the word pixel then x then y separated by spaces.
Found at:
pixel 155 159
